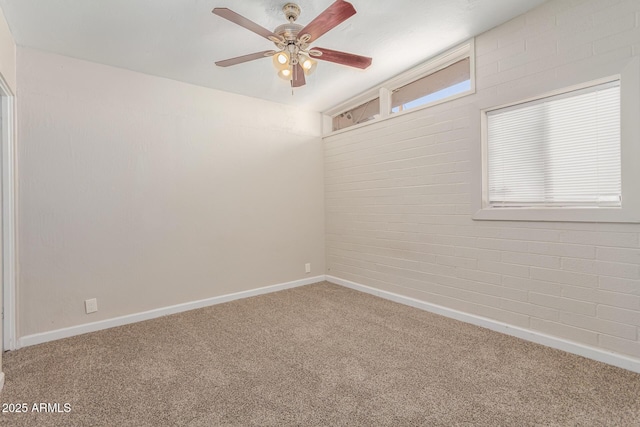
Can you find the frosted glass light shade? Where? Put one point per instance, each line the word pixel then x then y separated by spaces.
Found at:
pixel 281 60
pixel 285 74
pixel 308 64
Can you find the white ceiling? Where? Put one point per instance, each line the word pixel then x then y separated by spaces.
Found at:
pixel 181 39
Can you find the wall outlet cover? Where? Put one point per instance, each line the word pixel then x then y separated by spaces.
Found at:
pixel 91 305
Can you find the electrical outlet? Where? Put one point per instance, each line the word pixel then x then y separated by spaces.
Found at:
pixel 91 305
pixel 307 267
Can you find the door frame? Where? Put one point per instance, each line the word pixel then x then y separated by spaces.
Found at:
pixel 8 142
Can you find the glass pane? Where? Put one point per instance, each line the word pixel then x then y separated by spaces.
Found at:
pixel 360 114
pixel 557 151
pixel 449 81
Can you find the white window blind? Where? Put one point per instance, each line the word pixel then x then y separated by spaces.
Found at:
pixel 360 114
pixel 562 150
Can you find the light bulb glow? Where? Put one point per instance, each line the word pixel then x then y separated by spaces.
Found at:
pixel 307 64
pixel 285 74
pixel 281 60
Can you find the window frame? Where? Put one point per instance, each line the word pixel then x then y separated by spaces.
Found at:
pixel 434 67
pixel 385 90
pixel 628 212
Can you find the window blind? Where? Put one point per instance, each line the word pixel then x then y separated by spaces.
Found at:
pixel 360 114
pixel 562 150
pixel 449 76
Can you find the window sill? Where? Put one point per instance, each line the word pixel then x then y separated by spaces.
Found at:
pixel 587 214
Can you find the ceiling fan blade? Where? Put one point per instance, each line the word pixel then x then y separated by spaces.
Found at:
pixel 244 58
pixel 334 15
pixel 298 76
pixel 343 58
pixel 243 22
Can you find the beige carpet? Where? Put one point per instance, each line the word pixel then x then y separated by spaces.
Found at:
pixel 316 355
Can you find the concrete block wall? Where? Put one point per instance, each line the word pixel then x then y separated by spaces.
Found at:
pixel 399 194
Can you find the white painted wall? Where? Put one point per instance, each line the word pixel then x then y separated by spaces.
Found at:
pixel 144 192
pixel 7 54
pixel 398 194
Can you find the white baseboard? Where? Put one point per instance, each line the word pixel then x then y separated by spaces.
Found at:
pixel 619 360
pixel 152 314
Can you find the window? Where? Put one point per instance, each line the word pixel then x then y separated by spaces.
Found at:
pixel 440 79
pixel 444 83
pixel 360 114
pixel 569 155
pixel 562 150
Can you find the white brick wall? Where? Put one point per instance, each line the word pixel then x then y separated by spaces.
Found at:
pixel 398 194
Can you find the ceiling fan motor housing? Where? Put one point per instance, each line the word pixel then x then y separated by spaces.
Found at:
pixel 288 31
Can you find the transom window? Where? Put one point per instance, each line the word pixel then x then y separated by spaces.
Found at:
pixel 444 83
pixel 360 114
pixel 443 78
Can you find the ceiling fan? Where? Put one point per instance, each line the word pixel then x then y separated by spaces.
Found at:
pixel 294 59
